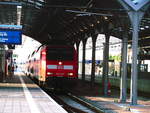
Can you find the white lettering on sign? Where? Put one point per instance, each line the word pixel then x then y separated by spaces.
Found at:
pixel 3 34
pixel 3 40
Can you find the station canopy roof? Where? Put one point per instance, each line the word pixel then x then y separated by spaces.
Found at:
pixel 72 20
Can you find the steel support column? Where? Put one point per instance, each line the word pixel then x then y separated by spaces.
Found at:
pixel 123 83
pixel 93 59
pixel 135 17
pixel 136 12
pixel 77 46
pixel 105 65
pixel 83 60
pixel 2 63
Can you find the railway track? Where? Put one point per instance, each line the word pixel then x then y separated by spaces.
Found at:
pixel 73 104
pixel 69 102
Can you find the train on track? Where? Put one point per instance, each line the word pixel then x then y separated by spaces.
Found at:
pixel 54 65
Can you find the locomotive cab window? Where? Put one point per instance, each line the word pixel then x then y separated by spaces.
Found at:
pixel 60 54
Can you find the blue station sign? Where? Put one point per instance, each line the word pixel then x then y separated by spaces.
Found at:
pixel 10 36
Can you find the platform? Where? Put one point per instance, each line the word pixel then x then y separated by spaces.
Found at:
pixel 18 94
pixel 110 103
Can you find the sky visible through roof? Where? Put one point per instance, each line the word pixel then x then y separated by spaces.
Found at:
pixel 27 47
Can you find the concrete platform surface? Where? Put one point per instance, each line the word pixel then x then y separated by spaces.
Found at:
pixel 112 105
pixel 20 95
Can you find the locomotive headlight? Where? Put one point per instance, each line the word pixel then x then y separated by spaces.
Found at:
pixel 70 74
pixel 49 73
pixel 60 63
pixel 43 53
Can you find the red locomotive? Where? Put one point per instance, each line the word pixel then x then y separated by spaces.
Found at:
pixel 54 64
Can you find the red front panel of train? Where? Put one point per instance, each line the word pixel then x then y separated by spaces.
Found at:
pixel 61 62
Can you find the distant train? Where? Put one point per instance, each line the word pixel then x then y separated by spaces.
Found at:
pixel 53 64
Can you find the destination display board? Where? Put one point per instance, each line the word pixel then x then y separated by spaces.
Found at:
pixel 10 36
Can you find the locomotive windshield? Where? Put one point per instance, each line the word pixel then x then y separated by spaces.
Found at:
pixel 60 54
